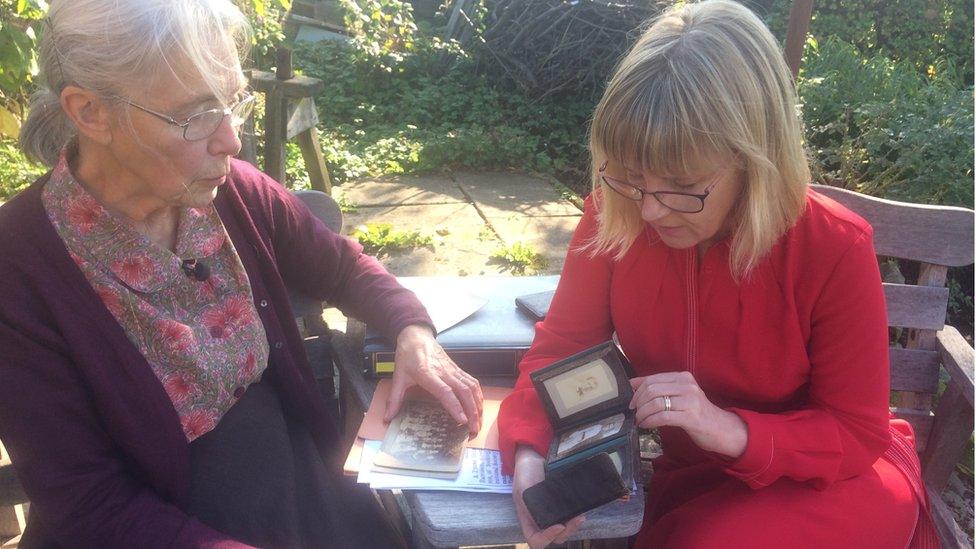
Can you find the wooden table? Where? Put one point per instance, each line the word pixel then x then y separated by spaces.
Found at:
pixel 451 519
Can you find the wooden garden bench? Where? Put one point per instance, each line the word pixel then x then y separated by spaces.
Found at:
pixel 935 238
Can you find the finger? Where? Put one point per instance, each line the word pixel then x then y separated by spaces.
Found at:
pixel 679 403
pixel 479 401
pixel 650 391
pixel 572 526
pixel 463 392
pixel 636 382
pixel 663 377
pixel 670 389
pixel 395 399
pixel 479 396
pixel 444 394
pixel 659 404
pixel 652 420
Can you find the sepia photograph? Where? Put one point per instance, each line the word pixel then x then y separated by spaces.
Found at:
pixel 582 387
pixel 588 434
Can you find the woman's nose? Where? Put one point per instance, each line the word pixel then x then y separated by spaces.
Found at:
pixel 652 210
pixel 226 141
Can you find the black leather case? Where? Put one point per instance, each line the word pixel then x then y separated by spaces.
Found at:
pixel 574 490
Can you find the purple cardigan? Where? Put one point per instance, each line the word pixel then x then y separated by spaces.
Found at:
pixel 93 436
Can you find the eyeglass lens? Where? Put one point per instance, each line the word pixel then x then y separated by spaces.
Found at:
pixel 676 201
pixel 206 123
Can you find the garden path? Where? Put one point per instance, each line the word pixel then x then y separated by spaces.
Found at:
pixel 468 216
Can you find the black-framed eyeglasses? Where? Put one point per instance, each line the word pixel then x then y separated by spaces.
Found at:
pixel 203 124
pixel 677 201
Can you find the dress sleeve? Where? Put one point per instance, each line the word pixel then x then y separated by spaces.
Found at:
pixel 79 485
pixel 579 317
pixel 844 428
pixel 332 267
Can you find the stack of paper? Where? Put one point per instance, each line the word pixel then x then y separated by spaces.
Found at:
pixel 480 469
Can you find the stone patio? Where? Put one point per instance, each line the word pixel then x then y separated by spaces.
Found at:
pixel 468 216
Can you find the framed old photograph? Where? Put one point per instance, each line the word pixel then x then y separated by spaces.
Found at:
pixel 623 449
pixel 588 434
pixel 586 384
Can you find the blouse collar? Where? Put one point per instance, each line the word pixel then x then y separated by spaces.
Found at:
pixel 96 234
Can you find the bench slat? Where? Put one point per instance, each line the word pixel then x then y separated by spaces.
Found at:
pixel 919 232
pixel 914 370
pixel 957 356
pixel 922 307
pixel 450 519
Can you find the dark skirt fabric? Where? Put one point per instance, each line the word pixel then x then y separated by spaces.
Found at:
pixel 258 478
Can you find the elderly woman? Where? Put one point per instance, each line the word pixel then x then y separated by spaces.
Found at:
pixel 155 391
pixel 749 305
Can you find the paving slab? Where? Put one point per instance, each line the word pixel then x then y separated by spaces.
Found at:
pixel 401 190
pixel 547 236
pixel 469 215
pixel 500 194
pixel 462 242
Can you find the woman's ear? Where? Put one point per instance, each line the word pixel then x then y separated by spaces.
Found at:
pixel 89 112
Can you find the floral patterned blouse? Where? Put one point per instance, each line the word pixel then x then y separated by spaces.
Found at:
pixel 203 339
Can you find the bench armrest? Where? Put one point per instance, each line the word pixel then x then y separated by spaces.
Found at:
pixel 957 359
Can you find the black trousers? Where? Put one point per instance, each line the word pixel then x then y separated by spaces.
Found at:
pixel 259 478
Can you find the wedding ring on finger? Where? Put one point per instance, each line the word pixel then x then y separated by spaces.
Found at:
pixel 667 403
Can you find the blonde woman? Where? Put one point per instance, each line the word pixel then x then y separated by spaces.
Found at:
pixel 154 388
pixel 750 306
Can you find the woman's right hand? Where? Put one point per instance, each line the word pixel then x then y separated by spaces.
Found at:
pixel 530 470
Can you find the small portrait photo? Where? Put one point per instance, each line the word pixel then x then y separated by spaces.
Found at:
pixel 582 387
pixel 590 433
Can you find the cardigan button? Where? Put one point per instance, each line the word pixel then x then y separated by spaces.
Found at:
pixel 279 345
pixel 238 392
pixel 264 303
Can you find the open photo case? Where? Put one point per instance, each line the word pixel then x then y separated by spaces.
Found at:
pixel 586 397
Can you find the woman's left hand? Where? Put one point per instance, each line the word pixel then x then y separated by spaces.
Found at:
pixel 420 360
pixel 710 427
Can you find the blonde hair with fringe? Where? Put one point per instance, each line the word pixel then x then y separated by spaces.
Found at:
pixel 113 46
pixel 706 82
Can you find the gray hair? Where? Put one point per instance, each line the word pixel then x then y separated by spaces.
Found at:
pixel 113 46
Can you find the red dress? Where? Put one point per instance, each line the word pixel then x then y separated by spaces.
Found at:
pixel 799 350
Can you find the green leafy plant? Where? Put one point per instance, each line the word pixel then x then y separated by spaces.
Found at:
pixel 16 172
pixel 265 17
pixel 381 239
pixel 519 258
pixel 345 206
pixel 19 27
pixel 416 118
pixel 914 32
pixel 383 28
pixel 882 128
